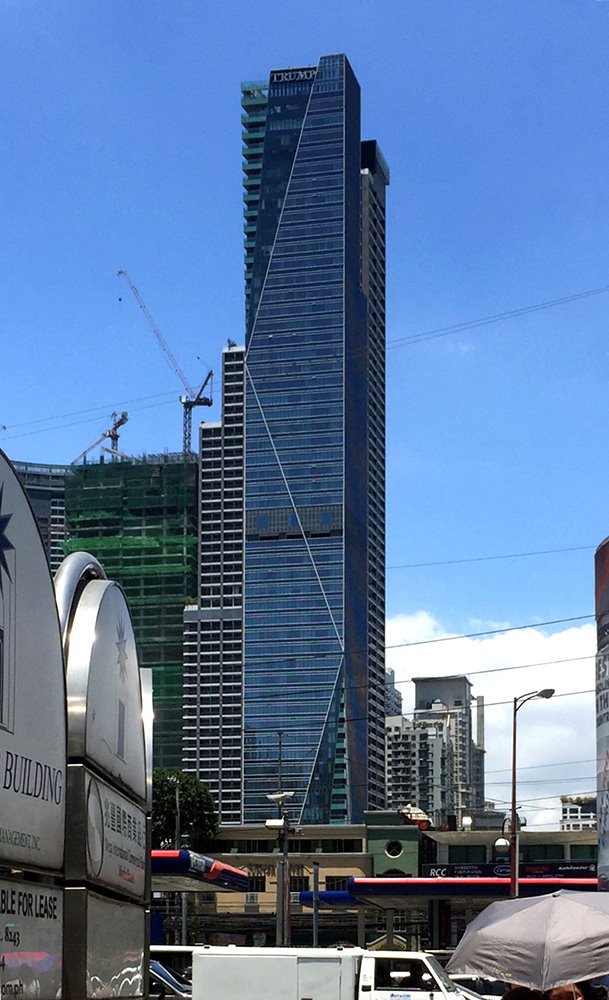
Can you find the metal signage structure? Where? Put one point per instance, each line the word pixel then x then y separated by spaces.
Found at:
pixel 109 787
pixel 601 591
pixel 32 692
pixel 113 962
pixel 105 725
pixel 75 754
pixel 109 840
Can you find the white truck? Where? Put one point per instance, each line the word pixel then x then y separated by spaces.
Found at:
pixel 236 973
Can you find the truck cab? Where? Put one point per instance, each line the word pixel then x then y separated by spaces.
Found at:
pixel 403 976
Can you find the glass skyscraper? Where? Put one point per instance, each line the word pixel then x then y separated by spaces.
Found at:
pixel 311 690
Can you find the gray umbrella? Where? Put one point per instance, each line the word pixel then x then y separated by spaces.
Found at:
pixel 541 942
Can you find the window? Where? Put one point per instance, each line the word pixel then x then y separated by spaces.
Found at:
pixel 257 883
pixel 393 849
pixel 336 883
pixel 299 883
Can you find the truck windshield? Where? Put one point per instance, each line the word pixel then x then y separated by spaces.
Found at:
pixel 410 974
pixel 441 976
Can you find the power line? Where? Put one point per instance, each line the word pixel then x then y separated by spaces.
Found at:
pixel 435 332
pixel 446 331
pixel 494 631
pixel 508 555
pixel 85 420
pixel 76 413
pixel 544 781
pixel 534 767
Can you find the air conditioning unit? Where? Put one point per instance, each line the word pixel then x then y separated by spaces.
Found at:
pixel 251 898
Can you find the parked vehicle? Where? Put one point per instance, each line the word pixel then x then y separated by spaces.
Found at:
pixel 232 973
pixel 175 957
pixel 165 983
pixel 485 986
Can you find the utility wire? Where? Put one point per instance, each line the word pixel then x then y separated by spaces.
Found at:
pixel 494 631
pixel 103 407
pixel 292 658
pixel 534 767
pixel 414 338
pixel 446 331
pixel 75 423
pixel 508 555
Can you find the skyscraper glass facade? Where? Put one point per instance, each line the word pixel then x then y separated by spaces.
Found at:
pixel 284 653
pixel 313 645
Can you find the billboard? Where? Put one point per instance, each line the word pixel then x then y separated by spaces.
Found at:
pixel 31 939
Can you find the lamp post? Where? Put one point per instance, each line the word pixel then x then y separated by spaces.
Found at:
pixel 519 701
pixel 282 825
pixel 177 843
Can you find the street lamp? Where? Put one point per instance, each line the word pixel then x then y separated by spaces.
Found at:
pixel 519 701
pixel 282 825
pixel 177 843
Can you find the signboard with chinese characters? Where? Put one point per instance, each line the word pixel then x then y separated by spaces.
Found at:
pixel 32 691
pixel 113 851
pixel 31 926
pixel 104 690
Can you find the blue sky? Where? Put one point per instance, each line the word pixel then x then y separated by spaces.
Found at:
pixel 121 149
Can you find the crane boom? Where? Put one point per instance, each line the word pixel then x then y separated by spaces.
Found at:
pixel 192 398
pixel 159 336
pixel 111 433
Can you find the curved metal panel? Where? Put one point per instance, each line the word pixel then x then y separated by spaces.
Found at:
pixel 75 572
pixel 105 723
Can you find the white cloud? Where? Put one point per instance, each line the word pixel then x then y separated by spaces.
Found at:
pixel 556 738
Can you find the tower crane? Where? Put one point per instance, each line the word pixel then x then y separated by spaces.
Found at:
pixel 111 433
pixel 192 398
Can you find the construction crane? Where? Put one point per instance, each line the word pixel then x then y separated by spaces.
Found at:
pixel 111 433
pixel 192 398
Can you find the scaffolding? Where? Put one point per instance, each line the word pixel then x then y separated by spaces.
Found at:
pixel 139 518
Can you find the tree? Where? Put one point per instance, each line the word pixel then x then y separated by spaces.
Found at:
pixel 197 815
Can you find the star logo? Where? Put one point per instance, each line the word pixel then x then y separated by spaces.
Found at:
pixel 5 544
pixel 121 647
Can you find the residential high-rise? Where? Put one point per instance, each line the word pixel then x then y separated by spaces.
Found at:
pixel 449 700
pixel 420 767
pixel 213 628
pixel 312 703
pixel 433 761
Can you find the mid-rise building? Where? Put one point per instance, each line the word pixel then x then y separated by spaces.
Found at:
pixel 393 697
pixel 45 488
pixel 578 813
pixel 433 761
pixel 420 767
pixel 312 704
pixel 449 700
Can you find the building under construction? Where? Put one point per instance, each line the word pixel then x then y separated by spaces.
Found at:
pixel 139 518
